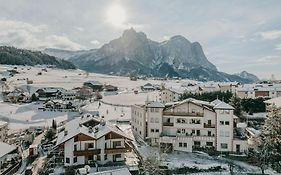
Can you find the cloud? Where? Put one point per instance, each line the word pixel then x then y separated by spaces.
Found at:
pixel 26 35
pixel 270 35
pixel 95 42
pixel 278 47
pixel 81 29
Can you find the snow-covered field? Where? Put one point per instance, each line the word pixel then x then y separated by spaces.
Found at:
pixel 22 116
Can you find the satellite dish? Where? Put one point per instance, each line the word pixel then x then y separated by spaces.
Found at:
pixel 88 168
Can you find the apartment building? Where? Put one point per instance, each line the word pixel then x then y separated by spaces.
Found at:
pixel 188 125
pixel 89 140
pixel 169 95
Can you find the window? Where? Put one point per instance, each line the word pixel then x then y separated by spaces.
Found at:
pixel 156 120
pixel 183 131
pixel 226 134
pixel 227 111
pixel 117 155
pixel 98 157
pixel 180 144
pixel 140 132
pixel 116 144
pixel 75 147
pixel 198 132
pixel 105 157
pixel 179 131
pixel 67 160
pixel 156 130
pixel 156 110
pixel 209 143
pixel 74 159
pixel 178 120
pixel 224 145
pixel 221 123
pixel 197 143
pixel 193 131
pixel 152 130
pixel 226 122
pixel 209 133
pixel 209 122
pixel 185 145
pixel 151 120
pixel 90 145
pixel 193 111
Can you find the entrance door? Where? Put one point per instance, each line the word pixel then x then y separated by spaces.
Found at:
pixel 238 148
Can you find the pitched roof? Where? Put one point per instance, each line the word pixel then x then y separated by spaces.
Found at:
pixel 221 105
pixel 6 149
pixel 155 104
pixel 275 101
pixel 75 127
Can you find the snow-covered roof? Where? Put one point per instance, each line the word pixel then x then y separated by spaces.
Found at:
pixel 6 149
pixel 274 101
pixel 121 171
pixel 75 127
pixel 94 83
pixel 155 104
pixel 221 105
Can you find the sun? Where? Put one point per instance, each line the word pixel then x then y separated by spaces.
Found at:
pixel 116 15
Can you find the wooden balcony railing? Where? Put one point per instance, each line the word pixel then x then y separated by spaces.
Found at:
pixel 87 152
pixel 196 114
pixel 209 125
pixel 168 124
pixel 117 150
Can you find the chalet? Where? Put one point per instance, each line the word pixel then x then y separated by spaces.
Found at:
pixel 148 87
pixel 49 93
pixel 90 140
pixel 110 88
pixel 84 92
pixel 16 96
pixel 95 85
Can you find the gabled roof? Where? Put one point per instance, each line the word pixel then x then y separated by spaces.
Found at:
pixel 155 104
pixel 274 101
pixel 221 105
pixel 6 149
pixel 75 127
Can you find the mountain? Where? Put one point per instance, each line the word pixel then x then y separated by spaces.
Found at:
pixel 64 54
pixel 13 56
pixel 134 53
pixel 247 75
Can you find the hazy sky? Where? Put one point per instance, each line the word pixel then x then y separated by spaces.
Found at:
pixel 236 35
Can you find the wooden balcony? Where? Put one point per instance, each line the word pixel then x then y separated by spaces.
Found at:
pixel 87 152
pixel 117 150
pixel 168 124
pixel 186 114
pixel 209 125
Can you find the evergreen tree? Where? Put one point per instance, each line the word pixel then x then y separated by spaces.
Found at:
pixel 236 103
pixel 270 139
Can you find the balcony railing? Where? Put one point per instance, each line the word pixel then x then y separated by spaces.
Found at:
pixel 87 152
pixel 168 124
pixel 117 150
pixel 209 125
pixel 196 114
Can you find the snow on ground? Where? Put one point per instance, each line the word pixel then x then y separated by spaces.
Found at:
pixel 23 116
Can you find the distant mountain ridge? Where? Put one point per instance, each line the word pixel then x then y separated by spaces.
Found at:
pixel 14 56
pixel 134 53
pixel 247 75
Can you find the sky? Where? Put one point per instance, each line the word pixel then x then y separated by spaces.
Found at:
pixel 236 35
